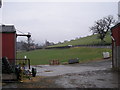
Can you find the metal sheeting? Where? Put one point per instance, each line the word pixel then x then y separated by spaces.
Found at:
pixel 7 29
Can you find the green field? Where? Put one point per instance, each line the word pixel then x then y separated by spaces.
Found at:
pixel 89 40
pixel 43 56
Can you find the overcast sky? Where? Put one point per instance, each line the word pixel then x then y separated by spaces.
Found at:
pixel 55 21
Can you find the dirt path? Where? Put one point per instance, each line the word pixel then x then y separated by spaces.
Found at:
pixel 96 74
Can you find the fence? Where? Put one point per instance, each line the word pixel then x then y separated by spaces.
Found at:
pixel 25 62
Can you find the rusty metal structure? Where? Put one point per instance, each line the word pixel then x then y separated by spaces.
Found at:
pixel 8 40
pixel 28 36
pixel 12 68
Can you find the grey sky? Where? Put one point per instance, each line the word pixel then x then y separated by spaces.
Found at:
pixel 56 21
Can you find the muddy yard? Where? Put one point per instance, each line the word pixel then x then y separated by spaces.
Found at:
pixel 97 74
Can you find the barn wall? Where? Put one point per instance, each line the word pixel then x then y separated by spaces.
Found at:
pixel 0 59
pixel 0 45
pixel 113 56
pixel 8 46
pixel 116 35
pixel 118 56
pixel 116 46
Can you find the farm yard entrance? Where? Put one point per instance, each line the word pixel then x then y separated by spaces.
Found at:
pixel 88 73
pixel 96 74
pixel 85 62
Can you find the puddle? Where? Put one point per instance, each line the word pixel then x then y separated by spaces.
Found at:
pixel 72 68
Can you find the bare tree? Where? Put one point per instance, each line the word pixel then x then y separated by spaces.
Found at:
pixel 102 26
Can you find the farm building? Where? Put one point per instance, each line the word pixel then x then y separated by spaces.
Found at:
pixel 8 39
pixel 116 46
pixel 11 67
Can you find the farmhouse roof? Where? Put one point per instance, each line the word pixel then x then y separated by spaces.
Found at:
pixel 7 29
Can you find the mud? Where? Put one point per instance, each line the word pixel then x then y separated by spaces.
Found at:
pixel 97 74
pixel 90 79
pixel 37 82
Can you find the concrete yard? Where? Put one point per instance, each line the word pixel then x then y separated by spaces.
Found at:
pixel 95 74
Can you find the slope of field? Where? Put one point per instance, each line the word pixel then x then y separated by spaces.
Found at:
pixel 89 40
pixel 43 56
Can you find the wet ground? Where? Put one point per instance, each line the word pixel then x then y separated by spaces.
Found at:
pixel 89 79
pixel 97 74
pixel 54 70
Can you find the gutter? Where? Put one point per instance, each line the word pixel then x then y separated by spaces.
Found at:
pixel 114 51
pixel 113 39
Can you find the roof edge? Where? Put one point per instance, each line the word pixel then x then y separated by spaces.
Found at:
pixel 118 24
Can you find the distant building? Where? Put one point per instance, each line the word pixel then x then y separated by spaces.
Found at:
pixel 47 43
pixel 32 47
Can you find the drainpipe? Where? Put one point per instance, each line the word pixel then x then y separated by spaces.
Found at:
pixel 114 51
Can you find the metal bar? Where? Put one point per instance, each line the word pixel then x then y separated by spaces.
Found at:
pixel 29 63
pixel 23 60
pixel 114 53
pixel 23 35
pixel 28 36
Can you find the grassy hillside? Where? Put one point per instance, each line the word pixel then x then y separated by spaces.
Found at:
pixel 43 56
pixel 89 40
